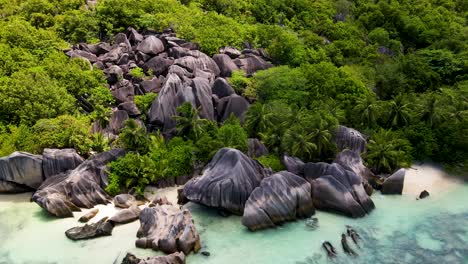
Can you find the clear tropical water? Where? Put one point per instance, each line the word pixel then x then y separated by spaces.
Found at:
pixel 400 230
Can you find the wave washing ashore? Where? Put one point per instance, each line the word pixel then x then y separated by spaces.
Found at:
pixel 401 229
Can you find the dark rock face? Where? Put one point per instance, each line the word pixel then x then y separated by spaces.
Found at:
pixel 348 138
pixel 227 181
pixel 352 161
pixel 280 197
pixel 151 45
pixel 174 258
pixel 168 229
pixel 21 168
pixel 293 164
pixel 225 64
pixel 252 63
pixel 222 88
pixel 337 189
pixel 233 104
pixel 62 194
pixel 126 215
pixel 394 183
pixel 123 91
pixel 101 228
pixel 157 65
pixel 117 121
pixel 232 52
pixel 152 86
pixel 56 161
pixel 256 148
pixel 11 187
pixel 129 107
pixel 423 194
pixel 124 200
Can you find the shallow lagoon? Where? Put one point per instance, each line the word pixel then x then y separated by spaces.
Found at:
pixel 400 230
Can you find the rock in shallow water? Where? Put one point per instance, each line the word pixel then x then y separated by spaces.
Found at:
pixel 394 183
pixel 62 194
pixel 227 181
pixel 280 197
pixel 100 228
pixel 337 189
pixel 168 229
pixel 174 258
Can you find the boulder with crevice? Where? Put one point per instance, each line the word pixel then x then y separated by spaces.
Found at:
pixel 55 161
pixel 233 104
pixel 117 121
pixel 157 65
pixel 280 197
pixel 336 189
pixel 226 182
pixel 65 193
pixel 168 229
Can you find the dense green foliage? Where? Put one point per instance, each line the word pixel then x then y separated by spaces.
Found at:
pixel 395 70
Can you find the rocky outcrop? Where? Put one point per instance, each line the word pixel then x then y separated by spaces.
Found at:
pixel 174 258
pixel 117 121
pixel 252 63
pixel 227 181
pixel 293 164
pixel 352 161
pixel 225 64
pixel 124 200
pixel 337 189
pixel 100 228
pixel 21 169
pixel 62 194
pixel 280 197
pixel 56 161
pixel 394 183
pixel 168 229
pixel 256 148
pixel 349 138
pixel 126 215
pixel 233 104
pixel 222 88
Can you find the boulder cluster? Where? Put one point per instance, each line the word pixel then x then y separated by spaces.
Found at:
pixel 175 69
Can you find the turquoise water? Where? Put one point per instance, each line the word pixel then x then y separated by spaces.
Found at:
pixel 400 230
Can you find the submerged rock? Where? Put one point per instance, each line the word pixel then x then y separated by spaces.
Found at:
pixel 349 138
pixel 21 169
pixel 126 215
pixel 168 229
pixel 423 194
pixel 85 218
pixel 100 228
pixel 337 189
pixel 227 181
pixel 280 197
pixel 56 161
pixel 394 183
pixel 174 258
pixel 62 194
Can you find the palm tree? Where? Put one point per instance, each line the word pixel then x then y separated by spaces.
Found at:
pixel 431 112
pixel 322 138
pixel 298 142
pixel 399 114
pixel 368 111
pixel 188 123
pixel 133 137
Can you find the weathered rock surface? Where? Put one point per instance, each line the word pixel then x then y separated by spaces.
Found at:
pixel 124 200
pixel 227 181
pixel 349 138
pixel 337 189
pixel 280 197
pixel 394 183
pixel 62 194
pixel 85 218
pixel 100 228
pixel 151 45
pixel 174 258
pixel 352 161
pixel 168 229
pixel 198 61
pixel 222 88
pixel 293 164
pixel 233 104
pixel 256 148
pixel 252 63
pixel 11 187
pixel 117 121
pixel 56 161
pixel 126 215
pixel 21 168
pixel 225 64
pixel 157 65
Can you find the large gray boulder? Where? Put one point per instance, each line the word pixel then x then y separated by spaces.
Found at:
pixel 233 104
pixel 117 121
pixel 252 63
pixel 352 161
pixel 227 181
pixel 63 194
pixel 222 88
pixel 174 93
pixel 168 229
pixel 394 183
pixel 124 200
pixel 100 228
pixel 151 45
pixel 126 215
pixel 293 164
pixel 225 64
pixel 56 161
pixel 198 61
pixel 82 54
pixel 157 65
pixel 123 91
pixel 337 189
pixel 349 138
pixel 174 258
pixel 280 197
pixel 21 169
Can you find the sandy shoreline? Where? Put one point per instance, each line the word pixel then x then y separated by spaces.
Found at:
pixel 428 177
